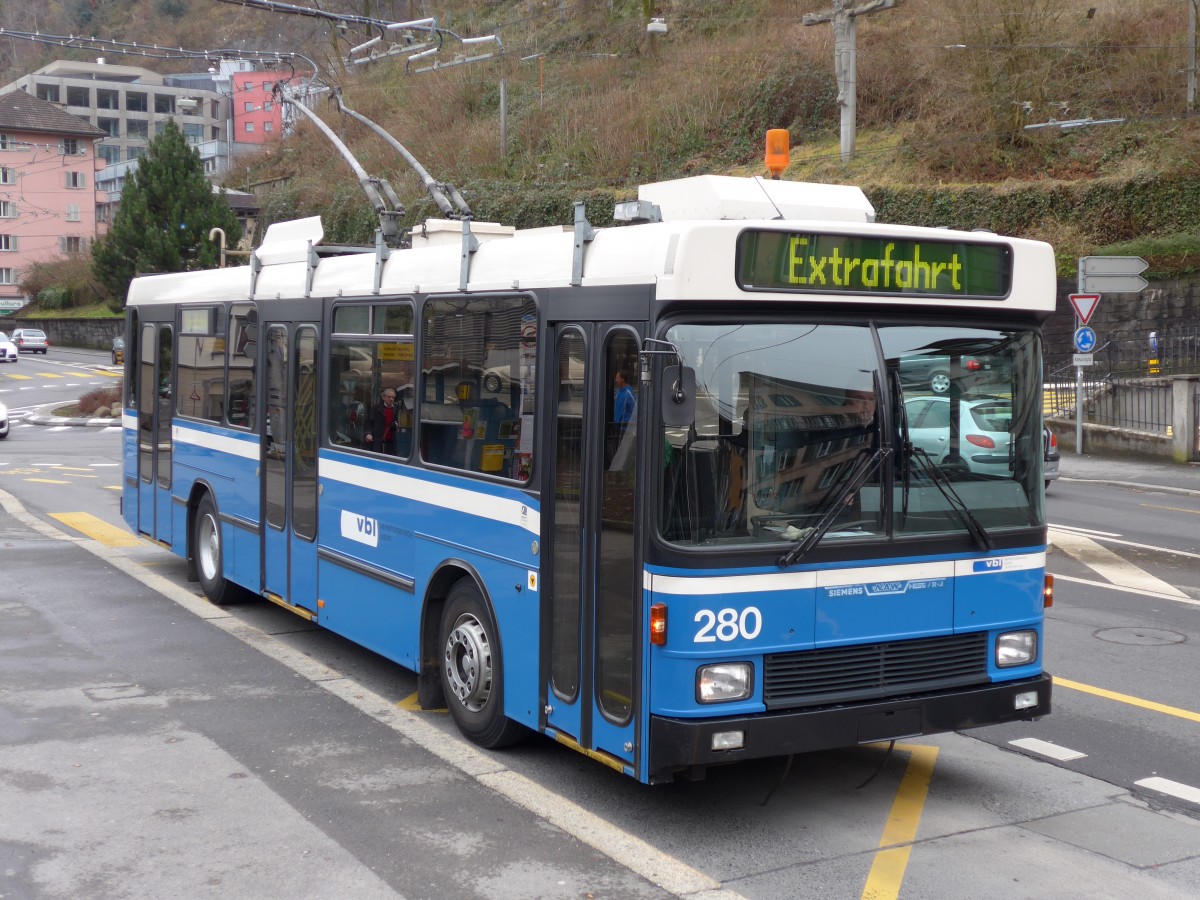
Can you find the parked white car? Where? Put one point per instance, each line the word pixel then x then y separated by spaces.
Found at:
pixel 3 421
pixel 8 350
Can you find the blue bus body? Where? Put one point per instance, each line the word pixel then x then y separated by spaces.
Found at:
pixel 724 581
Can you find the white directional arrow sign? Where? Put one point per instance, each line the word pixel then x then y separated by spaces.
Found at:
pixel 1112 274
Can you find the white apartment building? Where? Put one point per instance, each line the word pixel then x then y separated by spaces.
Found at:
pixel 128 104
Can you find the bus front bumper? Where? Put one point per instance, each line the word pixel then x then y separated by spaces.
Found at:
pixel 679 744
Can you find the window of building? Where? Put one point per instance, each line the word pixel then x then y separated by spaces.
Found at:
pixel 268 105
pixel 107 99
pixel 8 242
pixel 9 276
pixel 249 127
pixel 72 244
pixel 79 96
pixel 6 142
pixel 268 85
pixel 110 153
pixel 268 126
pixel 247 107
pixel 68 147
pixel 137 128
pixel 136 101
pixel 76 180
pixel 7 175
pixel 48 92
pixel 193 134
pixel 135 152
pixel 8 209
pixel 248 86
pixel 164 103
pixel 72 212
pixel 111 127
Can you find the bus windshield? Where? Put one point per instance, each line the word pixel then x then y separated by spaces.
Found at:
pixel 787 413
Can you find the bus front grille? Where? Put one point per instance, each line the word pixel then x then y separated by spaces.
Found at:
pixel 870 671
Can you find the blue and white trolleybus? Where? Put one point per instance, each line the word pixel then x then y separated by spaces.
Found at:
pixel 746 476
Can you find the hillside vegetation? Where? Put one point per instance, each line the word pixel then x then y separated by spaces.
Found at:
pixel 596 105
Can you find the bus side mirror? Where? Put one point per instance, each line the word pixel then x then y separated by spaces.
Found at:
pixel 678 396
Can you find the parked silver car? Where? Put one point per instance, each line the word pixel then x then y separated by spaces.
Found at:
pixel 30 340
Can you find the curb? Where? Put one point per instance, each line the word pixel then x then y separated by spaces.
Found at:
pixel 44 415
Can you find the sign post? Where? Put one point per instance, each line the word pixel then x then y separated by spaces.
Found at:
pixel 1097 274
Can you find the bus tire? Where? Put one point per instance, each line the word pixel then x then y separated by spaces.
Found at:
pixel 206 549
pixel 471 671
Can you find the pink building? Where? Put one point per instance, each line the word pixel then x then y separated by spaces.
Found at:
pixel 48 170
pixel 257 112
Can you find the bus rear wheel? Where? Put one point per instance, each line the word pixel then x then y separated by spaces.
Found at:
pixel 472 676
pixel 206 548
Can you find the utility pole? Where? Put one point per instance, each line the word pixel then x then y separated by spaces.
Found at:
pixel 845 63
pixel 1193 5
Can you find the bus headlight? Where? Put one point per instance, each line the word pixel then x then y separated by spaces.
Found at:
pixel 723 682
pixel 1016 648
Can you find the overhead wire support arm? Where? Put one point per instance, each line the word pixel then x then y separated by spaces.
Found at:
pixel 370 185
pixel 436 190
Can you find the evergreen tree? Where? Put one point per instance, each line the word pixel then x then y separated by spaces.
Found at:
pixel 162 223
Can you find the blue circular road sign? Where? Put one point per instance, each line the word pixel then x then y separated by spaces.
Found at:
pixel 1085 339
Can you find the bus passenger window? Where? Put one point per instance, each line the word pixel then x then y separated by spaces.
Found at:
pixel 478 385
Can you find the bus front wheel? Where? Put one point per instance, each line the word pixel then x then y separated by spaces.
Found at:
pixel 472 677
pixel 206 548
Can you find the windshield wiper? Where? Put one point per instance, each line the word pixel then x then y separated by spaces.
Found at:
pixel 942 483
pixel 865 467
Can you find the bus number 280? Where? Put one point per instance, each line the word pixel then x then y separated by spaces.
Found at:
pixel 728 625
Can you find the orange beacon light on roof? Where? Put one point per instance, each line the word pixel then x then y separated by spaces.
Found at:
pixel 777 151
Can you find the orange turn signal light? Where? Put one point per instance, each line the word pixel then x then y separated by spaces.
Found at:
pixel 1048 592
pixel 658 624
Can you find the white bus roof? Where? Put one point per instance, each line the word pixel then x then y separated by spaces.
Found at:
pixel 690 255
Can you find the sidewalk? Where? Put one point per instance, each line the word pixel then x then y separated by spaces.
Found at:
pixel 1125 470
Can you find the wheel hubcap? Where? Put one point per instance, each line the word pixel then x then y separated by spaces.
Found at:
pixel 208 548
pixel 468 662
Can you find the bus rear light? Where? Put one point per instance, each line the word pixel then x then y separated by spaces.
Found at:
pixel 1048 592
pixel 658 625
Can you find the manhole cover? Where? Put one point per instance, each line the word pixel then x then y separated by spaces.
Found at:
pixel 1145 637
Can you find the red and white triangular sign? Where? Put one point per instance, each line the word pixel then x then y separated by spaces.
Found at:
pixel 1085 305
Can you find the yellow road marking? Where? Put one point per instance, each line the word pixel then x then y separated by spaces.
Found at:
pixel 46 481
pixel 19 377
pixel 50 375
pixel 895 846
pixel 1126 698
pixel 410 703
pixel 97 529
pixel 1194 512
pixel 72 469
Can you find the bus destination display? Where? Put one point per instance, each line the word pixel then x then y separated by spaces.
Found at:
pixel 843 264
